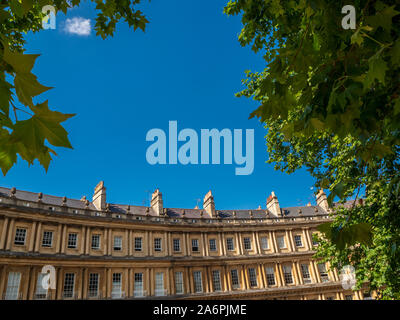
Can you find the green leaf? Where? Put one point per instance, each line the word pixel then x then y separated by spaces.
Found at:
pixel 377 70
pixel 27 87
pixel 21 63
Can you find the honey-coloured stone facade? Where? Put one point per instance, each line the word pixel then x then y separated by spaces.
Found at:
pixel 108 251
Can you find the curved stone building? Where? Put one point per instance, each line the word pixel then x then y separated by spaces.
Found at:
pixel 98 250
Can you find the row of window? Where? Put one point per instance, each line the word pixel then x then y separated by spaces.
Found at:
pixel 14 278
pixel 47 241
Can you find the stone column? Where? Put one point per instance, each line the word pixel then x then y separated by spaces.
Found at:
pixel 203 244
pixel 104 242
pixel 309 238
pixel 263 276
pixel 291 240
pixel 148 284
pixel 32 238
pixel 299 274
pixel 208 280
pixel 169 244
pixel 184 245
pixel 3 236
pixel 80 283
pixel 171 285
pixel 10 234
pixel 306 243
pixel 261 282
pixel 152 282
pixel 188 246
pixel 127 244
pixel 206 245
pixel 87 241
pixel 244 278
pixel 126 282
pixel 28 287
pixel 316 271
pixel 82 240
pixel 191 283
pixel 130 280
pixel 221 245
pixel 294 273
pixel 59 238
pixel 150 243
pixel 130 243
pixel 64 239
pixel 240 243
pixel 110 241
pixel 227 286
pixel 60 280
pixel 258 243
pixel 281 276
pixel 147 243
pixel 255 245
pixel 109 283
pixel 86 283
pixel 289 243
pixel 38 233
pixel 186 277
pixel 273 238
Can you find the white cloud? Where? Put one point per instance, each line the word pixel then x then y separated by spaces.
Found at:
pixel 78 25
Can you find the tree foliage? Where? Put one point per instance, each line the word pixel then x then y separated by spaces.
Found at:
pixel 330 99
pixel 28 129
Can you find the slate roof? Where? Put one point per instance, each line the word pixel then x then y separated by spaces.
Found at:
pixel 171 212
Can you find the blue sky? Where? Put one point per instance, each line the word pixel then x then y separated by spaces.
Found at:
pixel 185 67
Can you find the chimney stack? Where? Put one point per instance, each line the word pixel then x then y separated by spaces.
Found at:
pixel 99 196
pixel 209 205
pixel 322 200
pixel 273 205
pixel 157 202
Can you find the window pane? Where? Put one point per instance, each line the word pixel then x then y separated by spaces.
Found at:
pixel 12 292
pixel 216 280
pixel 198 285
pixel 69 285
pixel 95 241
pixel 177 245
pixel 116 291
pixel 213 245
pixel 138 285
pixel 297 240
pixel 270 276
pixel 117 243
pixel 305 273
pixel 195 245
pixel 93 285
pixel 264 243
pixel 253 277
pixel 235 279
pixel 157 244
pixel 20 236
pixel 179 282
pixel 159 284
pixel 47 240
pixel 287 273
pixel 247 243
pixel 138 244
pixel 229 244
pixel 72 240
pixel 41 293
